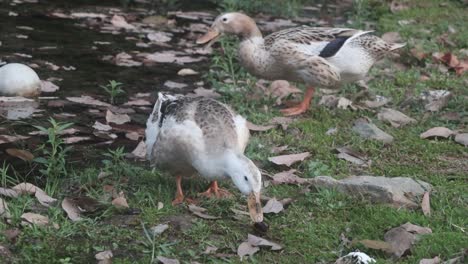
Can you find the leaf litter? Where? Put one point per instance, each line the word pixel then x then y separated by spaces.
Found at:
pixel 200 212
pixel 253 245
pixel 289 159
pixel 273 206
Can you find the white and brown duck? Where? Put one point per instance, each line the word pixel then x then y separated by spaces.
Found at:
pixel 188 136
pixel 317 56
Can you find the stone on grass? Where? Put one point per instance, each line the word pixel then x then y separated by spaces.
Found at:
pixel 19 80
pixel 435 100
pixel 462 139
pixel 398 191
pixel 394 117
pixel 370 131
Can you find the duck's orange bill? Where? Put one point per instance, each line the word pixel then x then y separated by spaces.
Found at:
pixel 255 207
pixel 209 37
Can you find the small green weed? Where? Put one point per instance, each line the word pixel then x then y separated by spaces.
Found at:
pixel 114 89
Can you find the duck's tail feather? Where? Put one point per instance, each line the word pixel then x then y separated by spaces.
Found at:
pixel 153 123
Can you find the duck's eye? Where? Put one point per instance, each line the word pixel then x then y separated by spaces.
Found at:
pixel 245 178
pixel 225 19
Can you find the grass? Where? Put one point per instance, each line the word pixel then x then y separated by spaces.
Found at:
pixel 310 228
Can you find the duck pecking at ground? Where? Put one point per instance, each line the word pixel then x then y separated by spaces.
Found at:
pixel 317 56
pixel 187 135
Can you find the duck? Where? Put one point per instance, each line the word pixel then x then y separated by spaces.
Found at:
pixel 17 79
pixel 186 136
pixel 326 57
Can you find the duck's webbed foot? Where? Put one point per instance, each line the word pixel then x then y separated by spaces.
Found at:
pixel 216 192
pixel 180 197
pixel 301 107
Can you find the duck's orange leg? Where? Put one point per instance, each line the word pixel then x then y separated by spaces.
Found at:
pixel 301 107
pixel 214 190
pixel 179 194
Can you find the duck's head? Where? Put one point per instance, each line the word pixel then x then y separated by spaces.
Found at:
pixel 231 23
pixel 248 179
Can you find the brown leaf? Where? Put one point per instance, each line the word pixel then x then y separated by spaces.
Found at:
pixel 435 260
pixel 9 139
pixel 73 140
pixel 288 177
pixel 87 100
pixel 12 234
pixel 282 121
pixel 258 241
pixel 290 159
pixel 394 117
pixel 117 118
pixel 35 219
pixel 418 53
pixel 200 212
pixel 273 206
pixel 165 260
pixel 437 132
pixel 20 153
pixel 352 156
pixel 402 238
pixel 29 188
pixel 425 204
pixel 210 250
pixel 71 209
pixel 104 255
pixel 398 5
pixel 48 87
pixel 254 127
pixel 101 127
pixel 120 202
pixel 280 89
pixel 376 244
pixel 120 22
pixel 276 150
pixel 208 93
pixel 140 150
pixel 246 249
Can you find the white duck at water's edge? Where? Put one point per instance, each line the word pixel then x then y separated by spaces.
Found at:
pixel 316 56
pixel 187 135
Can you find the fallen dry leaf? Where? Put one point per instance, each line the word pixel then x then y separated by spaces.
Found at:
pixel 71 209
pixel 290 159
pixel 280 89
pixel 398 5
pixel 287 177
pixel 394 117
pixel 20 153
pixel 35 219
pixel 101 127
pixel 73 140
pixel 435 100
pixel 120 201
pixel 165 260
pixel 138 102
pixel 68 131
pixel 186 71
pixel 254 127
pixel 425 204
pixel 174 85
pixel 120 22
pixel 200 212
pixel 9 139
pixel 140 150
pixel 246 249
pixel 282 121
pixel 352 156
pixel 376 244
pixel 159 229
pixel 117 118
pixel 261 242
pixel 12 234
pixel 437 132
pixel 208 93
pixel 210 250
pixel 48 87
pixel 277 150
pixel 104 256
pixel 159 36
pixel 435 260
pixel 8 192
pixel 402 238
pixel 40 195
pixel 87 100
pixel 273 206
pixel 123 59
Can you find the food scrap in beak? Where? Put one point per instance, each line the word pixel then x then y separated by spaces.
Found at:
pixel 255 207
pixel 209 38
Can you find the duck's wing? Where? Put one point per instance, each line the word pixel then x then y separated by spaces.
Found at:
pixel 315 41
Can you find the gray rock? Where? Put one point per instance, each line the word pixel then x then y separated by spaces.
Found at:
pixel 398 191
pixel 394 117
pixel 435 100
pixel 371 131
pixel 462 138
